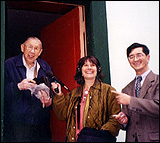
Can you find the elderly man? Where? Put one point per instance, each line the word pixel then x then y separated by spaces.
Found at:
pixel 26 117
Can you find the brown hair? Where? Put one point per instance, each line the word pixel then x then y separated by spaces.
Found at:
pixel 78 76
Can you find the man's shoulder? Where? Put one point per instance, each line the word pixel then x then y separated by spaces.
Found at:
pixel 43 63
pixel 12 60
pixel 152 74
pixel 152 78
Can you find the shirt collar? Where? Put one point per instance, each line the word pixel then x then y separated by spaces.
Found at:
pixel 144 75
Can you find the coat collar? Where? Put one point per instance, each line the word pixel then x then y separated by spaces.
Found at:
pixel 150 78
pixel 19 62
pixel 78 91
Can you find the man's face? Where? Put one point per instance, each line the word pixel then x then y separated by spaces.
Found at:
pixel 31 50
pixel 138 60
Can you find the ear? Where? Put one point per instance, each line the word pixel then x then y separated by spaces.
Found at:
pixel 40 51
pixel 22 47
pixel 148 58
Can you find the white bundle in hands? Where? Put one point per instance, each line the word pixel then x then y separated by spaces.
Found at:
pixel 36 90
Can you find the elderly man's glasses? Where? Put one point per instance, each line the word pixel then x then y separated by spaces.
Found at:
pixel 138 56
pixel 30 48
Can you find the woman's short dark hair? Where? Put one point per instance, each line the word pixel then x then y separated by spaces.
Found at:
pixel 78 76
pixel 136 45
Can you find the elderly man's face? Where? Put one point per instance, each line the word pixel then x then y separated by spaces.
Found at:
pixel 32 50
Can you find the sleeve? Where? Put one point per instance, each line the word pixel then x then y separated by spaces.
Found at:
pixel 113 108
pixel 60 105
pixel 148 105
pixel 10 83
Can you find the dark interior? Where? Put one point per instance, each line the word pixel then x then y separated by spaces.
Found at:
pixel 24 19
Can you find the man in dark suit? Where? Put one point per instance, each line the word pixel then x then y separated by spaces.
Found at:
pixel 26 115
pixel 140 101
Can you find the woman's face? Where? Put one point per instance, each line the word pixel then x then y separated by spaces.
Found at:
pixel 89 70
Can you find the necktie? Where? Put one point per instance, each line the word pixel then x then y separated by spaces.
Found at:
pixel 138 85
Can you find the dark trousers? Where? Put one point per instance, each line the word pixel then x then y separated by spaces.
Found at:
pixel 24 133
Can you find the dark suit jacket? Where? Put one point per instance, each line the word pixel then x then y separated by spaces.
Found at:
pixel 20 106
pixel 143 112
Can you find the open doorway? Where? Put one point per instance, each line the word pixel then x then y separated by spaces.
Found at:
pixel 24 19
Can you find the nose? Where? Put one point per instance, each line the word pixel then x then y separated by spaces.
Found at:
pixel 33 50
pixel 89 67
pixel 136 58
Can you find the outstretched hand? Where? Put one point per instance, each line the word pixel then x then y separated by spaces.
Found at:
pixel 122 98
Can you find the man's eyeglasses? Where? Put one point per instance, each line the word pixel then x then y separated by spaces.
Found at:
pixel 30 47
pixel 138 56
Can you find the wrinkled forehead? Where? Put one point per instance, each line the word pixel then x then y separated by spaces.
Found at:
pixel 33 42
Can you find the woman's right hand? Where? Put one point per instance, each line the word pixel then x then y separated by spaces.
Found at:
pixel 54 86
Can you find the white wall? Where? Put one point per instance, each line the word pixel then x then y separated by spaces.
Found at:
pixel 129 22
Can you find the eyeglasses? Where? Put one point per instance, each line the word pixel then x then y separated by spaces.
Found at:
pixel 138 56
pixel 30 47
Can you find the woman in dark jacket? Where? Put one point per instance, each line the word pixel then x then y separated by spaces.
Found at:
pixel 91 104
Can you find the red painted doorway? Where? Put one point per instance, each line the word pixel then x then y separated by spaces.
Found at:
pixel 64 44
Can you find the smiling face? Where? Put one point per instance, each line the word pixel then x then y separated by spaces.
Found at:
pixel 32 48
pixel 89 70
pixel 138 60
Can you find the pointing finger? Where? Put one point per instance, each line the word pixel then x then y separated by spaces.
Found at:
pixel 116 92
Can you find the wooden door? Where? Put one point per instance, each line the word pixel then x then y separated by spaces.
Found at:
pixel 64 44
